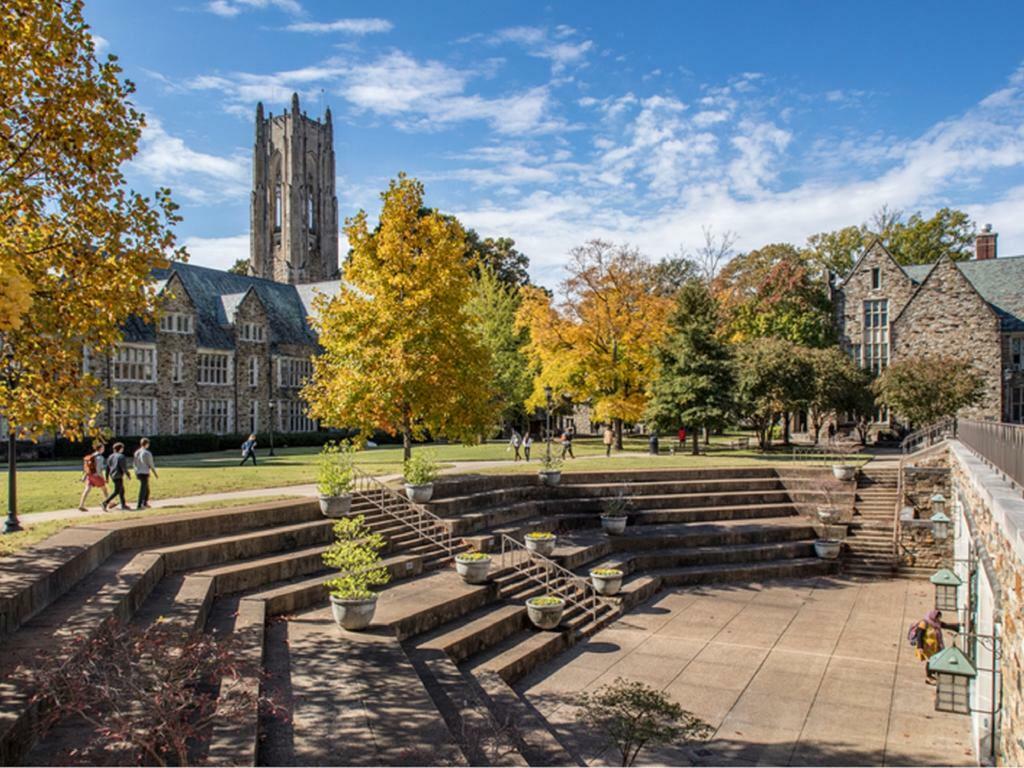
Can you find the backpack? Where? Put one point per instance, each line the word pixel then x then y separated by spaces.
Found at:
pixel 89 464
pixel 914 635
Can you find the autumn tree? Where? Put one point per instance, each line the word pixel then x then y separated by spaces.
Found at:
pixel 694 383
pixel 399 350
pixel 773 378
pixel 76 245
pixel 500 256
pixel 924 390
pixel 492 307
pixel 838 386
pixel 597 342
pixel 775 291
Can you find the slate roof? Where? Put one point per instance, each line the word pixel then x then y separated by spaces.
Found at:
pixel 216 295
pixel 999 281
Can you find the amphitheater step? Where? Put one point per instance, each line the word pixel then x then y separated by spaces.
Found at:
pixel 475 632
pixel 422 604
pixel 798 567
pixel 658 559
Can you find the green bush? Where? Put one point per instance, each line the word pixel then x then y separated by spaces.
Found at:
pixel 335 469
pixel 355 553
pixel 420 469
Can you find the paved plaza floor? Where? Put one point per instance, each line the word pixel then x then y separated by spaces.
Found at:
pixel 812 672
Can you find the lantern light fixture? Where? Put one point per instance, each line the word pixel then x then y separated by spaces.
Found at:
pixel 953 672
pixel 946 584
pixel 940 525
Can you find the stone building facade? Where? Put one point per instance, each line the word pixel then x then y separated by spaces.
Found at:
pixel 231 352
pixel 975 309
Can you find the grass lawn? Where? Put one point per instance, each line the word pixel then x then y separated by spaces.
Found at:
pixel 13 542
pixel 50 486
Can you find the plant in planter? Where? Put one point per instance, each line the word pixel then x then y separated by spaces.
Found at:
pixel 419 472
pixel 550 470
pixel 829 512
pixel 356 554
pixel 541 542
pixel 828 549
pixel 473 566
pixel 335 478
pixel 843 469
pixel 545 612
pixel 615 514
pixel 607 581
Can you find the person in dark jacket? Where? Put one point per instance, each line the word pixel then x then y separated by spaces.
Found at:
pixel 117 473
pixel 249 450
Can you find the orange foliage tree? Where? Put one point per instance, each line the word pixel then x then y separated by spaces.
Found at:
pixel 76 245
pixel 597 342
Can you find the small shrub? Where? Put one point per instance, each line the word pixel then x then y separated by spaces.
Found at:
pixel 550 463
pixel 631 716
pixel 540 535
pixel 335 469
pixel 619 504
pixel 473 557
pixel 545 601
pixel 420 469
pixel 356 554
pixel 606 572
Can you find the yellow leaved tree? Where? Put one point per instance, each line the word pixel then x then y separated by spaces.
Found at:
pixel 399 352
pixel 76 246
pixel 597 343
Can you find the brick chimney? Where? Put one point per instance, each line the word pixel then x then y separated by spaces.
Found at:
pixel 985 244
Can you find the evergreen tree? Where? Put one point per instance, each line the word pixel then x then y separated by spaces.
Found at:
pixel 694 386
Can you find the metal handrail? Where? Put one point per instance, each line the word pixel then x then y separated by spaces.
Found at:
pixel 897 522
pixel 943 428
pixel 390 502
pixel 566 584
pixel 999 443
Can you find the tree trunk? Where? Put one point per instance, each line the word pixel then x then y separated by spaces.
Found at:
pixel 707 436
pixel 696 441
pixel 786 417
pixel 618 433
pixel 406 435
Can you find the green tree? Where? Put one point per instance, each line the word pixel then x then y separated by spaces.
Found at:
pixel 773 377
pixel 493 305
pixel 695 380
pixel 631 715
pixel 77 246
pixel 839 386
pixel 240 267
pixel 776 291
pixel 500 256
pixel 399 350
pixel 837 251
pixel 926 389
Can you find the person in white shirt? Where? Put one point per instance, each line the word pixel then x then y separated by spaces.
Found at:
pixel 143 464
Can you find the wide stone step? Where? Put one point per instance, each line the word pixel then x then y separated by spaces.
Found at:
pixel 521 653
pixel 475 632
pixel 773 569
pixel 631 562
pixel 420 605
pixel 720 532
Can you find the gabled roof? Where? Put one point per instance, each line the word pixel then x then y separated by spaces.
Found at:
pixel 1000 282
pixel 216 295
pixel 932 268
pixel 863 254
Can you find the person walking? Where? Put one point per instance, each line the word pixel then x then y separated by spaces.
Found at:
pixel 92 474
pixel 142 461
pixel 682 437
pixel 249 450
pixel 527 445
pixel 926 637
pixel 567 445
pixel 515 442
pixel 117 473
pixel 609 438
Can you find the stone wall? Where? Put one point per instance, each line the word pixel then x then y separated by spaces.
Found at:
pixel 947 316
pixel 997 512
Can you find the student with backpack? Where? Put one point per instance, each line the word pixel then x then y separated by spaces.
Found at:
pixel 926 638
pixel 92 474
pixel 117 472
pixel 249 450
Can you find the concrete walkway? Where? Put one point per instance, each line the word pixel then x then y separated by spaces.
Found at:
pixel 787 673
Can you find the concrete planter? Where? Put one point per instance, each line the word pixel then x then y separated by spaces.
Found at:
pixel 843 471
pixel 828 549
pixel 545 616
pixel 419 494
pixel 614 524
pixel 354 614
pixel 545 547
pixel 472 571
pixel 608 584
pixel 336 506
pixel 829 515
pixel 550 476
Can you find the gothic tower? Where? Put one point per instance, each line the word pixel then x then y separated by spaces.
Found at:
pixel 294 227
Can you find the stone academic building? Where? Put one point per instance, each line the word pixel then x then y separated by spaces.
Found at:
pixel 972 309
pixel 230 352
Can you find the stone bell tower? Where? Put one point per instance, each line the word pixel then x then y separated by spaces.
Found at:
pixel 294 217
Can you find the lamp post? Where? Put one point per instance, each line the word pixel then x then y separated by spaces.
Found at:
pixel 271 406
pixel 11 523
pixel 547 426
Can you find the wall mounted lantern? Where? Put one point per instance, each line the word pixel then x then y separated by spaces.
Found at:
pixel 946 584
pixel 953 672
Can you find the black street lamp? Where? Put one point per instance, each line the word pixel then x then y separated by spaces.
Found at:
pixel 11 524
pixel 271 427
pixel 547 397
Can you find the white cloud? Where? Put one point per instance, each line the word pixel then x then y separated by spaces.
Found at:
pixel 101 44
pixel 199 177
pixel 350 26
pixel 217 252
pixel 540 44
pixel 231 8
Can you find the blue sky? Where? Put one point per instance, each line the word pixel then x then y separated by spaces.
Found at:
pixel 553 124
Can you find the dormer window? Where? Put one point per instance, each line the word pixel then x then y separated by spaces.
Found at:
pixel 876 278
pixel 176 322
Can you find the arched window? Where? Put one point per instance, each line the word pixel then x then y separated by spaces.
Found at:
pixel 277 206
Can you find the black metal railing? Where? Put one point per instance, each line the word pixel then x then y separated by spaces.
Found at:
pixel 1001 445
